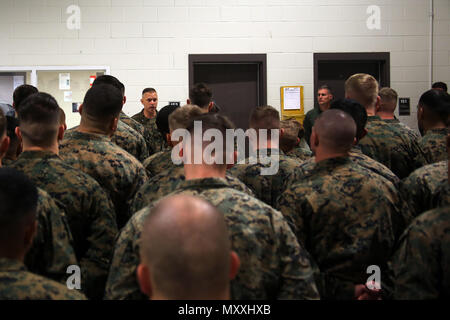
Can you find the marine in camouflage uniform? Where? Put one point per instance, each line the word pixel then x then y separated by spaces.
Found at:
pixel 89 211
pixel 433 145
pixel 421 263
pixel 420 189
pixel 138 127
pixel 347 217
pixel 156 141
pixel 266 188
pixel 131 141
pixel 158 162
pixel 273 264
pixel 168 181
pixel 300 153
pixel 119 173
pixel 16 283
pixel 52 249
pixel 390 146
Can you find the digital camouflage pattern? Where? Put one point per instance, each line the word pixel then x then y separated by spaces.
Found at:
pixel 444 194
pixel 131 141
pixel 266 188
pixel 300 153
pixel 434 145
pixel 118 172
pixel 16 283
pixel 403 127
pixel 90 213
pixel 168 181
pixel 273 264
pixel 348 219
pixel 138 127
pixel 158 162
pixel 421 263
pixel 420 189
pixel 390 146
pixel 156 141
pixel 52 249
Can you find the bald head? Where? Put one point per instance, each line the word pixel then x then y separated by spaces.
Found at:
pixel 185 246
pixel 335 131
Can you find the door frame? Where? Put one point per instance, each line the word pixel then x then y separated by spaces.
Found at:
pixel 259 59
pixel 384 57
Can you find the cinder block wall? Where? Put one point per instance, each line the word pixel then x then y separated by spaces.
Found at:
pixel 147 42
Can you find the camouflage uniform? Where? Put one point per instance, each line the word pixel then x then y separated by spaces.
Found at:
pixel 420 189
pixel 390 146
pixel 119 173
pixel 52 249
pixel 273 264
pixel 168 181
pixel 420 265
pixel 156 141
pixel 347 218
pixel 444 194
pixel 434 146
pixel 131 141
pixel 16 283
pixel 158 162
pixel 7 162
pixel 403 127
pixel 136 126
pixel 267 188
pixel 300 154
pixel 90 213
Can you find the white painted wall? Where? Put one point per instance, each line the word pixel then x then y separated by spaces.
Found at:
pixel 147 42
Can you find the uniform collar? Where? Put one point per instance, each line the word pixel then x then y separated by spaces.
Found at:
pixel 74 134
pixel 11 265
pixel 38 154
pixel 204 183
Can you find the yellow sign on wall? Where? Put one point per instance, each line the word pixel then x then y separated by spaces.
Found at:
pixel 292 103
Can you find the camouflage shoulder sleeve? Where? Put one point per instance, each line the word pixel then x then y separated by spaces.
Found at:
pixel 122 283
pixel 418 264
pixel 52 251
pixel 297 271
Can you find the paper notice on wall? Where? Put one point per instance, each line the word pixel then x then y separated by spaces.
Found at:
pixel 64 81
pixel 18 81
pixel 67 96
pixel 292 98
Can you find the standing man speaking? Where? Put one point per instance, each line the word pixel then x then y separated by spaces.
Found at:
pixel 324 98
pixel 147 117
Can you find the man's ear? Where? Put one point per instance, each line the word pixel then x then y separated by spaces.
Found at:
pixel 378 104
pixel 61 130
pixel 364 133
pixel 114 124
pixel 210 106
pixel 188 101
pixel 235 263
pixel 142 101
pixel 18 133
pixel 235 155
pixel 124 100
pixel 314 140
pixel 4 145
pixel 282 131
pixel 30 232
pixel 143 275
pixel 80 109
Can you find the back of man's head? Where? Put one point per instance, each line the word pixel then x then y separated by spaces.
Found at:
pixel 186 248
pixel 388 101
pixel 200 95
pixel 440 86
pixel 356 111
pixel 21 93
pixel 213 124
pixel 18 198
pixel 39 120
pixel 111 80
pixel 289 139
pixel 336 131
pixel 436 104
pixel 182 117
pixel 362 88
pixel 264 117
pixel 102 103
pixel 162 119
pixel 3 125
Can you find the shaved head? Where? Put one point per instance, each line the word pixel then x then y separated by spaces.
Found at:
pixel 186 248
pixel 336 130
